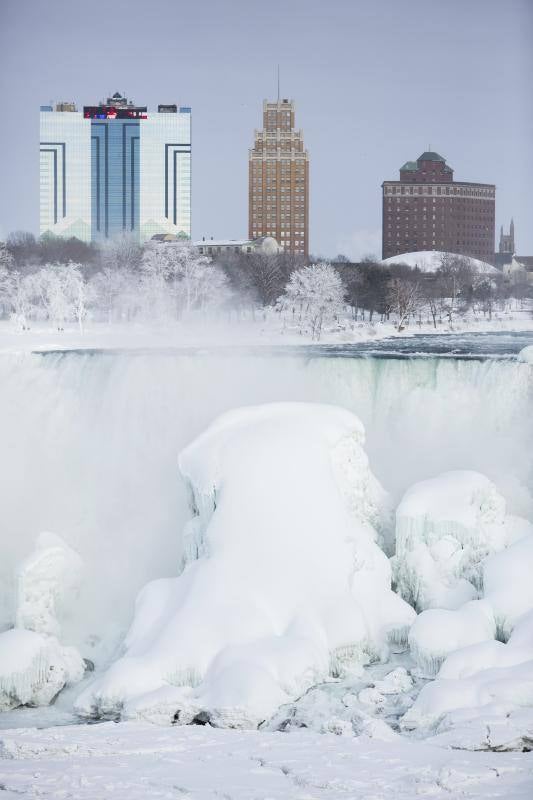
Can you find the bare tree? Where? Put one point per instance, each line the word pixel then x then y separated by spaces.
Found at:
pixel 405 298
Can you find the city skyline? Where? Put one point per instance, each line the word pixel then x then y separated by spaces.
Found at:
pixel 403 74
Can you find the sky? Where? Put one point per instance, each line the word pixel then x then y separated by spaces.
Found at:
pixel 375 82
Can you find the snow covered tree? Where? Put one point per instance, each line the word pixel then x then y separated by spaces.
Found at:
pixel 316 295
pixel 404 297
pixel 179 273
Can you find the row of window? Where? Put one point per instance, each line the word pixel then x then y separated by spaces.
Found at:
pixel 448 190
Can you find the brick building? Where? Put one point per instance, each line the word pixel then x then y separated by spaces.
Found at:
pixel 278 199
pixel 427 210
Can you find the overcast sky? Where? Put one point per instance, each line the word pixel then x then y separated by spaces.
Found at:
pixel 375 83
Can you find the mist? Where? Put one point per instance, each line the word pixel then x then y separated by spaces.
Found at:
pixel 90 443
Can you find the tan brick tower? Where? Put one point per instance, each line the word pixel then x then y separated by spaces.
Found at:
pixel 278 202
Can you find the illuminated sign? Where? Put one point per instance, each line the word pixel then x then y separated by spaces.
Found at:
pixel 110 112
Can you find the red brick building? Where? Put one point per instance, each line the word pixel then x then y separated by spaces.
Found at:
pixel 278 188
pixel 427 210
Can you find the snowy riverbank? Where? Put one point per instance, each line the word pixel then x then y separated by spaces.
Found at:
pixel 265 329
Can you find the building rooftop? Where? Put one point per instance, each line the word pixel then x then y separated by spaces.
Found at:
pixel 409 166
pixel 429 155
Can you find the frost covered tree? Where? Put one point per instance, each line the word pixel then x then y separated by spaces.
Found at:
pixel 315 295
pixel 404 297
pixel 180 275
pixel 17 293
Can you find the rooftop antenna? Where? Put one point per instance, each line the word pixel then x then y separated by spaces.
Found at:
pixel 278 83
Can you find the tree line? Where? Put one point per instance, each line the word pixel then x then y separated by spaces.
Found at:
pixel 66 280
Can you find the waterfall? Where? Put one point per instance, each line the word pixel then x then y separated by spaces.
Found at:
pixel 90 443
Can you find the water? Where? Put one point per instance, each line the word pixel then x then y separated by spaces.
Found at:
pixel 90 442
pixel 478 346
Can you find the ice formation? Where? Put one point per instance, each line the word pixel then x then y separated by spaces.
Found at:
pixel 283 582
pixel 34 666
pixel 445 528
pixel 526 354
pixel 439 631
pixel 486 681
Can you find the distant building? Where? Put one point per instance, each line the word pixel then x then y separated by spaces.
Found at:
pixel 278 186
pixel 427 210
pixel 506 249
pixel 115 169
pixel 266 245
pixel 519 269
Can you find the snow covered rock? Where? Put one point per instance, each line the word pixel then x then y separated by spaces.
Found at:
pixel 445 528
pixel 437 632
pixel 486 680
pixel 34 666
pixel 283 582
pixel 508 583
pixel 526 354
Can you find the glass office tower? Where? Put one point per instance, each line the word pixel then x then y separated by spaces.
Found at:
pixel 115 169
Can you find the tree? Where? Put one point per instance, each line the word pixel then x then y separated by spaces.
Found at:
pixel 316 293
pixel 404 297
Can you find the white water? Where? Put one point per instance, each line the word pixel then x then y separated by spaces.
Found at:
pixel 89 448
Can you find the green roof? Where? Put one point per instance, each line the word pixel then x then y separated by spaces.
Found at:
pixel 409 166
pixel 429 155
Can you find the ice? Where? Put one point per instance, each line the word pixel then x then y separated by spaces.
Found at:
pixel 283 583
pixel 34 666
pixel 485 679
pixel 445 528
pixel 44 580
pixel 526 354
pixel 132 761
pixel 508 583
pixel 438 632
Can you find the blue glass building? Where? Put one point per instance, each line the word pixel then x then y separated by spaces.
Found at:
pixel 115 169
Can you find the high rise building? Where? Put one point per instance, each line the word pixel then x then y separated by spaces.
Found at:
pixel 278 185
pixel 115 168
pixel 427 210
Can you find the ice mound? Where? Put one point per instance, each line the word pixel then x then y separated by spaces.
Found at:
pixel 283 582
pixel 526 354
pixel 482 697
pixel 508 583
pixel 445 528
pixel 438 632
pixel 34 666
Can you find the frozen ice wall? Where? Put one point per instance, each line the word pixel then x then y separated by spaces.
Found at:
pixel 90 443
pixel 284 586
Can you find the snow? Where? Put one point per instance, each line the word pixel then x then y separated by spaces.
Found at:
pixel 445 527
pixel 34 666
pixel 507 582
pixel 488 678
pixel 45 580
pixel 526 354
pixel 134 761
pixel 438 632
pixel 283 581
pixel 431 261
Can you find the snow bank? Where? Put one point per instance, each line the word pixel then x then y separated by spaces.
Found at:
pixel 508 583
pixel 490 679
pixel 445 528
pixel 438 632
pixel 34 666
pixel 283 581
